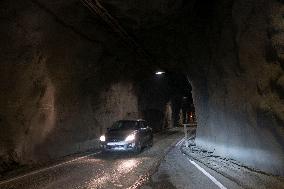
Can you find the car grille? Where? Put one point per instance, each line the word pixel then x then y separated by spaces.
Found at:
pixel 114 140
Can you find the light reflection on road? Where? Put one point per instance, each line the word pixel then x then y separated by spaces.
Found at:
pixel 118 174
pixel 110 171
pixel 127 165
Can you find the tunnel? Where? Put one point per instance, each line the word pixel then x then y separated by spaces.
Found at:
pixel 69 69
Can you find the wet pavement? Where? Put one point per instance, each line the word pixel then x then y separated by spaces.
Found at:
pixel 194 168
pixel 166 165
pixel 110 170
pixel 176 171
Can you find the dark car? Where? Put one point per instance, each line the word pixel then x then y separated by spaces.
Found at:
pixel 127 135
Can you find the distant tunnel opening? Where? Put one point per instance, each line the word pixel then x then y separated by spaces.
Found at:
pixel 165 100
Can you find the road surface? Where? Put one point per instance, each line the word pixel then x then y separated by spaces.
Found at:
pixel 164 161
pixel 179 171
pixel 111 170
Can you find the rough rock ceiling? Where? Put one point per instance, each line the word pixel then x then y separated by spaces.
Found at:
pixel 156 29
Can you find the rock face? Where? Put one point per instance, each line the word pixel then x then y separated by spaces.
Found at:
pixel 61 85
pixel 65 76
pixel 232 51
pixel 240 111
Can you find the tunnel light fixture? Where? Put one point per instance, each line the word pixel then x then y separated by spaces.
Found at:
pixel 159 72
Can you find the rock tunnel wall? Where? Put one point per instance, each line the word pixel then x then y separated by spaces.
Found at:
pixel 232 52
pixel 65 76
pixel 239 101
pixel 61 84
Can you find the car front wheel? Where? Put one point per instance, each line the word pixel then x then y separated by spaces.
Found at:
pixel 137 148
pixel 150 144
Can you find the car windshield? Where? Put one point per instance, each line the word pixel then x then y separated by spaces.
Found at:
pixel 125 125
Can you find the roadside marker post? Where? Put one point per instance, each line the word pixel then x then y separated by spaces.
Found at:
pixel 185 134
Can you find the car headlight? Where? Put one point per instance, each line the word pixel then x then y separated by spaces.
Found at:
pixel 103 138
pixel 130 138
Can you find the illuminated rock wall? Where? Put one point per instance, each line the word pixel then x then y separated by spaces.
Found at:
pixel 239 101
pixel 232 52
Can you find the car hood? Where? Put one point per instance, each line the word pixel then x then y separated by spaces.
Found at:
pixel 120 134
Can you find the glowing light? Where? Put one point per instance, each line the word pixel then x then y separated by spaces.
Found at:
pixel 102 138
pixel 159 72
pixel 130 137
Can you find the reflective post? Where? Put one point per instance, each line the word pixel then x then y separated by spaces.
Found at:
pixel 185 134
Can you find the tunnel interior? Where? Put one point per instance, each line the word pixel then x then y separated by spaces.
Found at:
pixel 165 100
pixel 68 72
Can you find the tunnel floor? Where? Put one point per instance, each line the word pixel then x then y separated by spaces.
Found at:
pixel 98 170
pixel 195 168
pixel 168 165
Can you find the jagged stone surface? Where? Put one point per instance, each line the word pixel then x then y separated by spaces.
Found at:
pixel 61 84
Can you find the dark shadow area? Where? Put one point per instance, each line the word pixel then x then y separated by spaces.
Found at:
pixel 165 100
